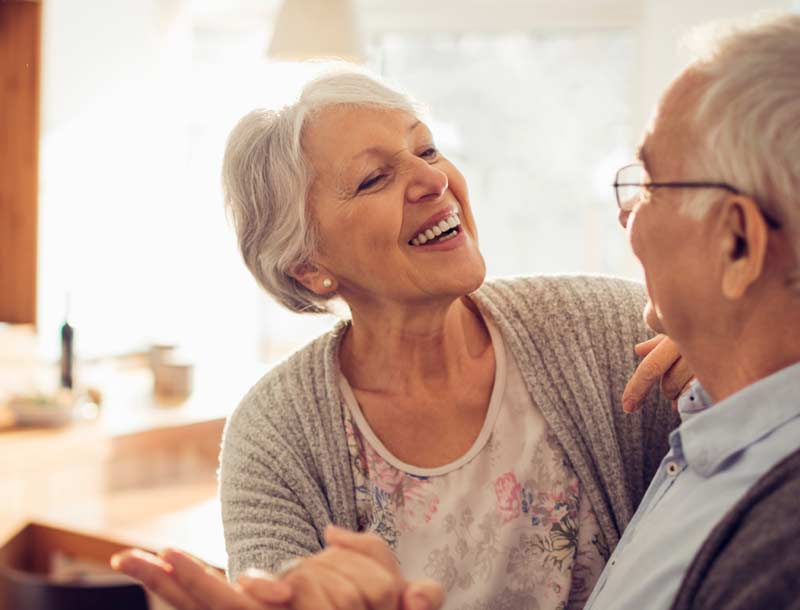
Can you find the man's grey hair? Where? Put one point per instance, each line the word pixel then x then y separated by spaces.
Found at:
pixel 747 120
pixel 266 179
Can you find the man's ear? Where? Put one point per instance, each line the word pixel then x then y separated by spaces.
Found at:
pixel 315 278
pixel 744 244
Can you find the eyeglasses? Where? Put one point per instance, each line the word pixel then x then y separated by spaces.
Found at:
pixel 633 179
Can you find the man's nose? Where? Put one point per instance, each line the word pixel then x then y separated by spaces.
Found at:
pixel 623 218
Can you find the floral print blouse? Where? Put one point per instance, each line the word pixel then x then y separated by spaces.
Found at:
pixel 503 527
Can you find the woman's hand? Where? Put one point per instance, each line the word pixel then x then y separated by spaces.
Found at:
pixel 355 572
pixel 187 584
pixel 661 362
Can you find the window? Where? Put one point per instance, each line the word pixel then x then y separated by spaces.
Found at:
pixel 538 124
pixel 132 221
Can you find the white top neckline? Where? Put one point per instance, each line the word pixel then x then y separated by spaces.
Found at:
pixel 495 401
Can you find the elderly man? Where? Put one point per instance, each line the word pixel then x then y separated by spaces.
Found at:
pixel 713 214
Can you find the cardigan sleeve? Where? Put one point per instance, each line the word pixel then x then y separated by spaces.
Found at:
pixel 573 338
pixel 626 448
pixel 265 519
pixel 284 467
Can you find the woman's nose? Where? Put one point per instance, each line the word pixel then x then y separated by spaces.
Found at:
pixel 426 183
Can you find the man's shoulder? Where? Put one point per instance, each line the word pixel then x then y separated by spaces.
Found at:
pixel 752 557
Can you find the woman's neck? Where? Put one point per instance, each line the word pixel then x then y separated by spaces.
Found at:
pixel 398 349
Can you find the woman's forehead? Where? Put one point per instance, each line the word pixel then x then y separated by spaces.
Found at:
pixel 344 134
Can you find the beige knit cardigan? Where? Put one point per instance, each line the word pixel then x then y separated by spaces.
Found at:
pixel 285 468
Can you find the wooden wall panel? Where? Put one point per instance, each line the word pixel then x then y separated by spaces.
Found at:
pixel 20 44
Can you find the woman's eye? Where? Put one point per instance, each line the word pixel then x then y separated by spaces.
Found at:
pixel 369 182
pixel 429 153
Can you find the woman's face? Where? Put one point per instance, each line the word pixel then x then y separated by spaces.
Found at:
pixel 380 187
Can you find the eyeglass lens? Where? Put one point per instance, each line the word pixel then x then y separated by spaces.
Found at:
pixel 629 190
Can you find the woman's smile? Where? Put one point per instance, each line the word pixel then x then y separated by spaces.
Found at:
pixel 440 227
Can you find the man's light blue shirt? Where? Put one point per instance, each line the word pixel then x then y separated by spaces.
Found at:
pixel 715 456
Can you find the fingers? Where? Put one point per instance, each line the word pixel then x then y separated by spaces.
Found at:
pixel 264 587
pixel 380 587
pixel 369 545
pixel 423 594
pixel 156 575
pixel 676 379
pixel 316 587
pixel 645 347
pixel 205 585
pixel 658 361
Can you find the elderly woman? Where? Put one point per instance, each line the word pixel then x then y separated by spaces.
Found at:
pixel 474 426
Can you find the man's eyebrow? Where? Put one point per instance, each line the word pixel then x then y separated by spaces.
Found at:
pixel 640 154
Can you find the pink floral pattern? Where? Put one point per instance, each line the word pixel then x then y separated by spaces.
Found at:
pixel 507 489
pixel 510 528
pixel 414 499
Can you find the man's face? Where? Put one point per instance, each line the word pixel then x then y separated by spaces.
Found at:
pixel 673 248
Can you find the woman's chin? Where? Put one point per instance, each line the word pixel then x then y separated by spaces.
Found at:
pixel 473 276
pixel 461 282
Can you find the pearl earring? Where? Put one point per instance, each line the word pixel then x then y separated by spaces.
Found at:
pixel 327 283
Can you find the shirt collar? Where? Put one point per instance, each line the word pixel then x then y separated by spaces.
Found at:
pixel 712 435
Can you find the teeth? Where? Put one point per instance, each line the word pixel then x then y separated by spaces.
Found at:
pixel 436 230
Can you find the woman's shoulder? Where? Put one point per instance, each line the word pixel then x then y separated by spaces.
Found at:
pixel 548 309
pixel 559 288
pixel 288 388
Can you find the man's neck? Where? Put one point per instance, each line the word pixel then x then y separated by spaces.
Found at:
pixel 727 365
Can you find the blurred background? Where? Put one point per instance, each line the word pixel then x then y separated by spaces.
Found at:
pixel 129 326
pixel 538 103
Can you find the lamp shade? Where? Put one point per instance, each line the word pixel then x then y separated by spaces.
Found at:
pixel 306 29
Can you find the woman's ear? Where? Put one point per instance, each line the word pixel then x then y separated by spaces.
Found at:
pixel 744 244
pixel 315 278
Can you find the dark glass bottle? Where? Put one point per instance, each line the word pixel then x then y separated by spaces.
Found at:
pixel 67 353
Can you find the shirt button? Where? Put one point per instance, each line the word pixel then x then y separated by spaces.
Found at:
pixel 673 469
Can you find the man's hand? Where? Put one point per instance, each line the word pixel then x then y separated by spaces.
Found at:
pixel 661 363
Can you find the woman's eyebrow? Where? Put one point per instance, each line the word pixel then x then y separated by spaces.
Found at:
pixel 372 150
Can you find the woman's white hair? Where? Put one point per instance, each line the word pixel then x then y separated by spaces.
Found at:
pixel 747 120
pixel 266 179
